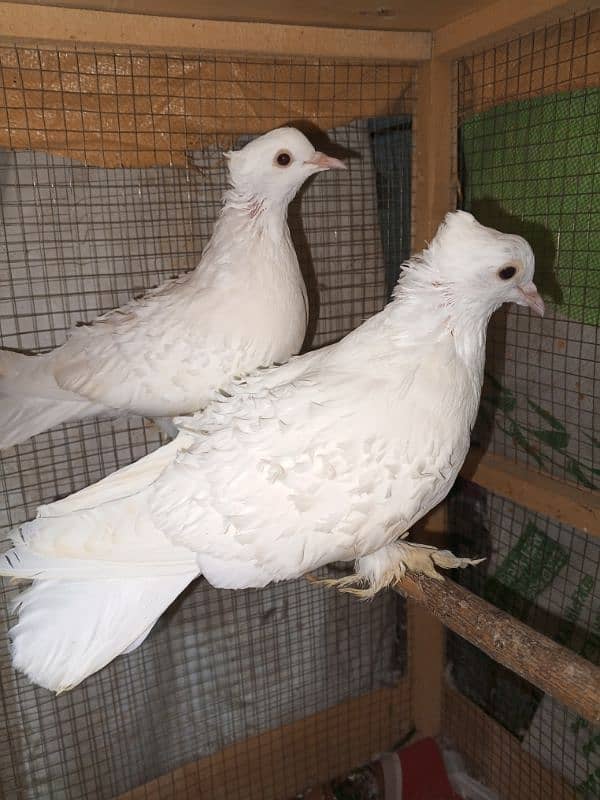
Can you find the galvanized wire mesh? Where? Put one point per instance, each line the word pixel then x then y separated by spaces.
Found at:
pixel 529 142
pixel 529 138
pixel 547 575
pixel 111 176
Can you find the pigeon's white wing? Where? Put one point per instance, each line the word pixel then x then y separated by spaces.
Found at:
pixel 148 355
pixel 280 479
pixel 166 353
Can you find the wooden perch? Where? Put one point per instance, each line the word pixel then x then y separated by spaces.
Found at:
pixel 554 669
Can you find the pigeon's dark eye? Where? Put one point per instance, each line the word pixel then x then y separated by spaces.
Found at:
pixel 283 159
pixel 506 273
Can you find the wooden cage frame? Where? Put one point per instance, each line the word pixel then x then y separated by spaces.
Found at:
pixel 433 605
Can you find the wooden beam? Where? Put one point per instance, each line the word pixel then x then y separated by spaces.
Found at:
pixel 85 28
pixel 432 179
pixel 499 21
pixel 427 643
pixel 434 160
pixel 495 756
pixel 281 762
pixel 553 498
pixel 555 670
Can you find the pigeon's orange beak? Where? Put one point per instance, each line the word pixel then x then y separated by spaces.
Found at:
pixel 531 298
pixel 324 162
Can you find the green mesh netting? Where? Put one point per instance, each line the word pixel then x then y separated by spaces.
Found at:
pixel 538 161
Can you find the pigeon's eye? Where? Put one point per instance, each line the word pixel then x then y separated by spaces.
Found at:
pixel 506 273
pixel 283 158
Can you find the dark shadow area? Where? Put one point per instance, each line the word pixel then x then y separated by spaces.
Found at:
pixel 320 141
pixel 391 150
pixel 502 694
pixel 490 212
pixel 508 698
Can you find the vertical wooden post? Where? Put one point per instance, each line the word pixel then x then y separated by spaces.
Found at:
pixel 434 183
pixel 427 641
pixel 434 179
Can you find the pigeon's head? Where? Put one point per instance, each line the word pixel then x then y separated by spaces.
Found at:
pixel 271 168
pixel 482 267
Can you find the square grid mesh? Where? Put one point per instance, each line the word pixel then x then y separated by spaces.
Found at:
pixel 547 575
pixel 111 176
pixel 529 137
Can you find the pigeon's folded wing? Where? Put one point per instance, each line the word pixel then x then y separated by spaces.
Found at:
pixel 159 355
pixel 289 477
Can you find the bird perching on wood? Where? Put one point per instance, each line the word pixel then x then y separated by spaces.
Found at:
pixel 331 457
pixel 243 306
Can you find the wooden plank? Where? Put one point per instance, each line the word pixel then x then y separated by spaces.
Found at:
pixel 495 22
pixel 555 670
pixel 495 756
pixel 279 763
pixel 432 179
pixel 88 28
pixel 336 13
pixel 553 498
pixel 427 642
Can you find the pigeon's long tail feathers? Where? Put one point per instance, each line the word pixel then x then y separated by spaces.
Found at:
pixel 102 574
pixel 69 629
pixel 31 401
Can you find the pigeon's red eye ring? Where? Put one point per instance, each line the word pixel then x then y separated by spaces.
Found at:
pixel 506 273
pixel 283 159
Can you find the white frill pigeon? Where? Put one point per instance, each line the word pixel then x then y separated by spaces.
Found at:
pixel 331 457
pixel 242 307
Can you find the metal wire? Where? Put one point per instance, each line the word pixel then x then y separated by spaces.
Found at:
pixel 111 176
pixel 547 575
pixel 530 136
pixel 528 141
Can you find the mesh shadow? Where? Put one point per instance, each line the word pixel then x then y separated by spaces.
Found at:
pixel 488 211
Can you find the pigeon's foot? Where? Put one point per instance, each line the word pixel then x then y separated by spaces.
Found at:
pixel 423 559
pixel 390 563
pixel 348 585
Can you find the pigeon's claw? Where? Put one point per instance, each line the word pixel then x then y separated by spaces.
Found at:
pixel 422 559
pixel 389 564
pixel 346 585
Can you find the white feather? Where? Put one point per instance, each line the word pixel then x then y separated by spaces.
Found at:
pixel 31 401
pixel 243 306
pixel 330 457
pixel 88 617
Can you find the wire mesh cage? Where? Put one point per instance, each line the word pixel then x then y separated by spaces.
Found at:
pixel 111 174
pixel 528 162
pixel 529 123
pixel 111 177
pixel 547 575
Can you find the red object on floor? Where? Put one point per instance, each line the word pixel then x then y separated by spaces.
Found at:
pixel 424 774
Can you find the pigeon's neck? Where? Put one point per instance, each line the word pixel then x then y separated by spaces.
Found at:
pixel 249 238
pixel 430 307
pixel 259 214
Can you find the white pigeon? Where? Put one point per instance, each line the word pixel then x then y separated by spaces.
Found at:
pixel 244 306
pixel 331 457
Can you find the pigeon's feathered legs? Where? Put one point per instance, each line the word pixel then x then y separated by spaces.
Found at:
pixel 390 563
